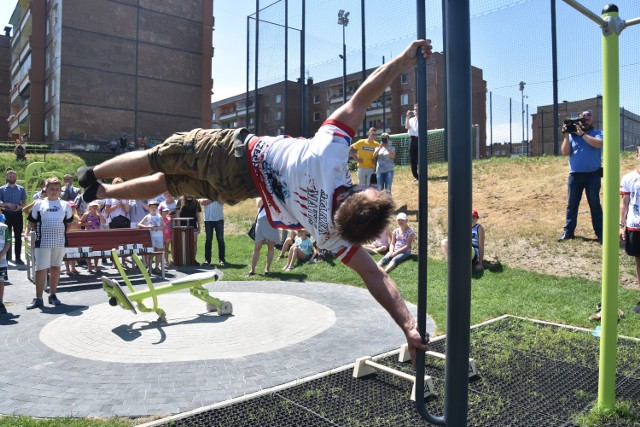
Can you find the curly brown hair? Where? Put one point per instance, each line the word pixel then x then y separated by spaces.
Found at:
pixel 363 215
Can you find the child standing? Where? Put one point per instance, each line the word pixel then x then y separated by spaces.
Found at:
pixel 92 220
pixel 74 225
pixel 152 221
pixel 49 217
pixel 166 232
pixel 401 241
pixel 303 250
pixel 5 245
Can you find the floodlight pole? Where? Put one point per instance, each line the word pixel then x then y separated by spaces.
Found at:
pixel 611 26
pixel 343 20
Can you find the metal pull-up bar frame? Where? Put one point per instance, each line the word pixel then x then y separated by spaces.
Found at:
pixel 457 53
pixel 611 26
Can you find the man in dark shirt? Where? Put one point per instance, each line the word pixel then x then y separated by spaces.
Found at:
pixel 13 199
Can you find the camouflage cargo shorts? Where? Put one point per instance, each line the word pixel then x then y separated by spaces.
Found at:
pixel 203 163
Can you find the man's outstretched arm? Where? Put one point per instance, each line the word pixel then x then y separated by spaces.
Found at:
pixel 385 291
pixel 352 113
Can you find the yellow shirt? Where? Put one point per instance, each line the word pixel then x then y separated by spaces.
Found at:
pixel 365 151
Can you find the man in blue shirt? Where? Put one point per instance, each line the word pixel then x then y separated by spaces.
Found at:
pixel 583 145
pixel 13 199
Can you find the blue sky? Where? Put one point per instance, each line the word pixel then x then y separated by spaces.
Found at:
pixel 510 43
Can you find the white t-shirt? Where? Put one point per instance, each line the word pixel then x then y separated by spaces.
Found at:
pixel 117 211
pixel 630 185
pixel 297 179
pixel 154 221
pixel 51 218
pixel 413 126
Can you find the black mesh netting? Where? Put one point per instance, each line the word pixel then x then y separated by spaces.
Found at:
pixel 531 374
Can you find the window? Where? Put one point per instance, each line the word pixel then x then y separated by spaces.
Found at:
pixel 278 115
pixel 316 116
pixel 404 79
pixel 404 99
pixel 250 120
pixel 316 99
pixel 266 118
pixel 54 125
pixel 46 128
pixel 46 93
pixel 278 99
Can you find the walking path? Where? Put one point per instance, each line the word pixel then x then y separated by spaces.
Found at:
pixel 86 358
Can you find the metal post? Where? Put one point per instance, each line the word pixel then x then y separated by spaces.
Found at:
pixel 610 246
pixel 364 62
pixel 554 68
pixel 510 128
pixel 542 132
pixel 459 128
pixel 343 19
pixel 303 104
pixel 384 107
pixel 421 100
pixel 246 95
pixel 286 67
pixel 528 149
pixel 522 113
pixel 491 121
pixel 255 77
pixel 459 131
pixel 344 67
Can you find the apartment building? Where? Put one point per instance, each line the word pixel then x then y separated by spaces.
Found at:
pixel 88 71
pixel 5 82
pixel 543 125
pixel 387 113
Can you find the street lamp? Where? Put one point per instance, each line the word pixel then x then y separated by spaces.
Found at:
pixel 343 19
pixel 522 92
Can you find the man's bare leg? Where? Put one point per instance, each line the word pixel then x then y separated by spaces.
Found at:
pixel 145 187
pixel 128 165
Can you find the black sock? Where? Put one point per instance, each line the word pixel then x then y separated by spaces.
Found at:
pixel 91 193
pixel 86 177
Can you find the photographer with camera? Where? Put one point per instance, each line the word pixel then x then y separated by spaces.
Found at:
pixel 583 144
pixel 411 124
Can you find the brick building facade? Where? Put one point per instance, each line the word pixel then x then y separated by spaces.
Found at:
pixel 92 70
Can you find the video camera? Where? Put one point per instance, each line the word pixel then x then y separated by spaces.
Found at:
pixel 570 124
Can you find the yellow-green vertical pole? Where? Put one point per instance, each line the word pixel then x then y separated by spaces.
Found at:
pixel 610 247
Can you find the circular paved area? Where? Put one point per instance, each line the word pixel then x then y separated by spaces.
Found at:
pixel 86 358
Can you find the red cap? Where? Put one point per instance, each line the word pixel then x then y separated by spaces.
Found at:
pixel 474 213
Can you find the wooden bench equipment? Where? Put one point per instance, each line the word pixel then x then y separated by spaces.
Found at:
pixel 103 241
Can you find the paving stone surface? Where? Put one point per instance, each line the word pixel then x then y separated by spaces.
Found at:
pixel 85 358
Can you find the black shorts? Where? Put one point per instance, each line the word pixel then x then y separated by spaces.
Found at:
pixel 632 242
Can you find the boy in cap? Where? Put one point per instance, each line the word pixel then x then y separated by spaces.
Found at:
pixel 153 221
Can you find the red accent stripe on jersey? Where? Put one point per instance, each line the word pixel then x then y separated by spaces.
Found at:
pixel 349 255
pixel 340 125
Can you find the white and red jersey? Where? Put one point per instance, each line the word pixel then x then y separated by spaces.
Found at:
pixel 630 185
pixel 297 179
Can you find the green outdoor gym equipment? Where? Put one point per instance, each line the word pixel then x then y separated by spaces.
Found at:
pixel 194 282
